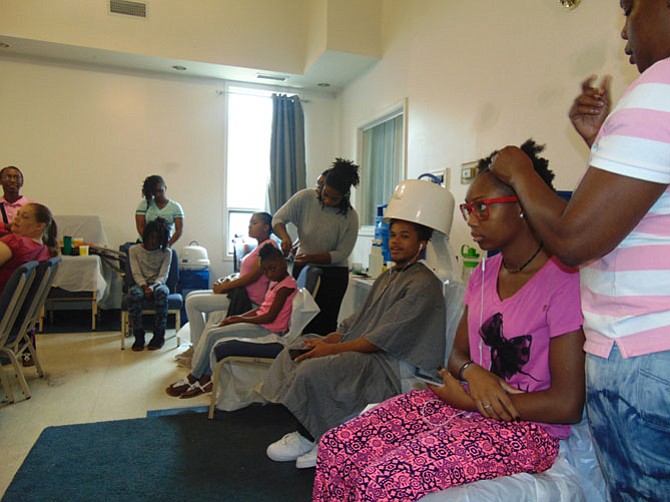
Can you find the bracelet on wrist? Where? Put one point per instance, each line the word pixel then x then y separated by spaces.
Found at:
pixel 463 368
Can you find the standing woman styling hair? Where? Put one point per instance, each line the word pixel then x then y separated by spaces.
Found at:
pixel 616 228
pixel 156 204
pixel 33 237
pixel 327 230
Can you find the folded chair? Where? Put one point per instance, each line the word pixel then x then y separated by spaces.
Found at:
pixel 11 302
pixel 238 374
pixel 19 340
pixel 175 299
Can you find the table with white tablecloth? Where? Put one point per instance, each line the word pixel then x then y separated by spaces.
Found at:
pixel 79 280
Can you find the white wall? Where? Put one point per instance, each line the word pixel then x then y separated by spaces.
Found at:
pixel 86 138
pixel 481 75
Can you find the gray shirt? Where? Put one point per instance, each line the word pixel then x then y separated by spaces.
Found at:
pixel 404 315
pixel 320 229
pixel 149 267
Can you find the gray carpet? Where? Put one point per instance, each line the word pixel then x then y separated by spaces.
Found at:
pixel 176 457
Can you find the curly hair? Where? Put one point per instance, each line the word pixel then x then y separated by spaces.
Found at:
pixel 540 164
pixel 149 186
pixel 268 252
pixel 342 175
pixel 160 228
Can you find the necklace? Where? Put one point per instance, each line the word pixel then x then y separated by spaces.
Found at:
pixel 517 270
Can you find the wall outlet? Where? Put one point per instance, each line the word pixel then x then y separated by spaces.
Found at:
pixel 467 175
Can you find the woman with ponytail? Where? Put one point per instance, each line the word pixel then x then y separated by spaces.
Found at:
pixel 33 237
pixel 327 230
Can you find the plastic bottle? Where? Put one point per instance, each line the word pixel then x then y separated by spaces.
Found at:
pixel 376 262
pixel 382 232
pixel 470 261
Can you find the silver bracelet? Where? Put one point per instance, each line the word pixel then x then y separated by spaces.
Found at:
pixel 463 368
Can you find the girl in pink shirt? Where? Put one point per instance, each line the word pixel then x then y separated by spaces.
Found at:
pixel 272 316
pixel 515 376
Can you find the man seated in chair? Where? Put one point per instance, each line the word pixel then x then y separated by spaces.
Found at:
pixel 270 320
pixel 401 321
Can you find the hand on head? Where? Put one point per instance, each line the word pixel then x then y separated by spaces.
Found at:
pixel 510 162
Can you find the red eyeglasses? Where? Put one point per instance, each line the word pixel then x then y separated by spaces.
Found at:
pixel 480 208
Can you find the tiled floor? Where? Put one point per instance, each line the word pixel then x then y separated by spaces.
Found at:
pixel 88 379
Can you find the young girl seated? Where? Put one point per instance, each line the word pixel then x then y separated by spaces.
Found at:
pixel 514 382
pixel 272 317
pixel 248 289
pixel 149 266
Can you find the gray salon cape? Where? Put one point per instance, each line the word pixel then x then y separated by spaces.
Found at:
pixel 403 315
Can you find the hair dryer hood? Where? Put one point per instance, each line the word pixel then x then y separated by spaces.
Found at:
pixel 422 202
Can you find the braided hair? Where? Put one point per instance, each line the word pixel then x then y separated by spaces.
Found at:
pixel 269 252
pixel 161 229
pixel 342 175
pixel 149 186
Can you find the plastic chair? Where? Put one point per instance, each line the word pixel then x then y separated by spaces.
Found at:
pixel 11 301
pixel 19 340
pixel 175 300
pixel 308 283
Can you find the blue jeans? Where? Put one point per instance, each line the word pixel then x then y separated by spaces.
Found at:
pixel 200 364
pixel 160 304
pixel 628 405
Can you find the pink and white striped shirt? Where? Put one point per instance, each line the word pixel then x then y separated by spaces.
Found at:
pixel 626 294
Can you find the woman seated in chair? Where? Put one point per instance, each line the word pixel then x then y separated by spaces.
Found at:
pixel 33 237
pixel 514 382
pixel 271 319
pixel 149 266
pixel 238 295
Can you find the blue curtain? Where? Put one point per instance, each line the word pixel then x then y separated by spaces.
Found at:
pixel 287 152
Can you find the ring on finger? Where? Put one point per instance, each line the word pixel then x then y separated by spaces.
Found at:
pixel 486 405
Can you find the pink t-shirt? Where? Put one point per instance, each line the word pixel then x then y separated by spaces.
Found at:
pixel 256 290
pixel 281 322
pixel 24 249
pixel 11 208
pixel 511 337
pixel 626 293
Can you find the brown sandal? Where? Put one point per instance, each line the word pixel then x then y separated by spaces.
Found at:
pixel 178 388
pixel 197 389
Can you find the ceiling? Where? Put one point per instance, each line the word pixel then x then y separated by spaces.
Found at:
pixel 329 73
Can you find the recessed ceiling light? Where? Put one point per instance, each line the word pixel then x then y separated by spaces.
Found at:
pixel 3 45
pixel 323 84
pixel 179 67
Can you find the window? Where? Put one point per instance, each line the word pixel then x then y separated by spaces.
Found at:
pixel 382 165
pixel 248 157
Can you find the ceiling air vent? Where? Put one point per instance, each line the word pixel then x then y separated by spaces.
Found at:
pixel 136 9
pixel 277 78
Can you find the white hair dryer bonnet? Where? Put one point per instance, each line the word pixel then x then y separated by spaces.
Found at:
pixel 194 256
pixel 432 205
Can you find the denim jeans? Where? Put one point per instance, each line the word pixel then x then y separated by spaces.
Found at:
pixel 160 304
pixel 628 405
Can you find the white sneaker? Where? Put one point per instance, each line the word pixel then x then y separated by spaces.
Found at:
pixel 289 448
pixel 308 459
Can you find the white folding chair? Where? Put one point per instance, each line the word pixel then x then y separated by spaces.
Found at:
pixel 304 310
